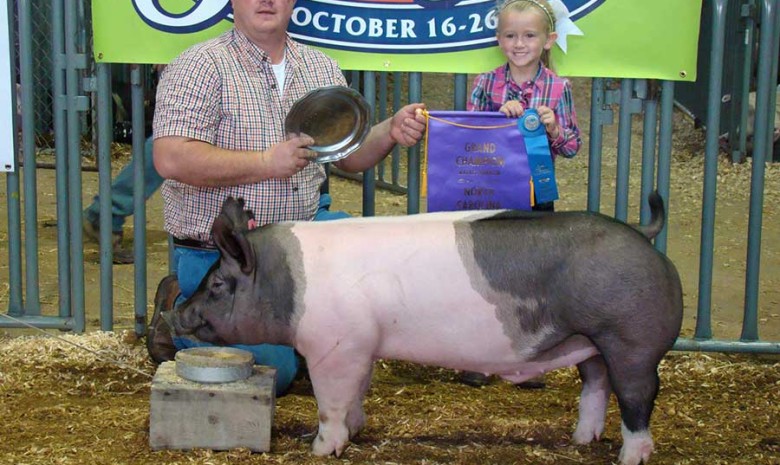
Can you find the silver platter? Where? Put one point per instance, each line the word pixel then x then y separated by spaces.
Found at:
pixel 214 364
pixel 336 117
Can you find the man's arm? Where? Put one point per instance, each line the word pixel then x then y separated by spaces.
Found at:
pixel 406 127
pixel 199 163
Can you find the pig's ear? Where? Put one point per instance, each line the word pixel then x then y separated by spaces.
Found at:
pixel 233 244
pixel 229 230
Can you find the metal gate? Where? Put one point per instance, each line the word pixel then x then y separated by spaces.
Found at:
pixel 80 92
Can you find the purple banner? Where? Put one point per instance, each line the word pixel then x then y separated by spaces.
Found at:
pixel 476 161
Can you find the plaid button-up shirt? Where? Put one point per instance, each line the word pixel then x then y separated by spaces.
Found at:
pixel 494 88
pixel 224 92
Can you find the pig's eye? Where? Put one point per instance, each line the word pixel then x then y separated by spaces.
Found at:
pixel 219 284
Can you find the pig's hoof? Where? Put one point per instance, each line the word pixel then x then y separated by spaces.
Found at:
pixel 324 448
pixel 636 449
pixel 321 448
pixel 585 433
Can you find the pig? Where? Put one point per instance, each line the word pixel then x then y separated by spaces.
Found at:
pixel 511 293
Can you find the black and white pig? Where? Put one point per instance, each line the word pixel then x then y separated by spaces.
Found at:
pixel 502 292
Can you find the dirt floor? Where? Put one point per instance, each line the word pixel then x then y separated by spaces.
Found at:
pixel 63 405
pixel 71 407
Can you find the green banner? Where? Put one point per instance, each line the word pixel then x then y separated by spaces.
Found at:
pixel 602 38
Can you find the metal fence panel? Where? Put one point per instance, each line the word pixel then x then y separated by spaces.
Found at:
pixel 80 101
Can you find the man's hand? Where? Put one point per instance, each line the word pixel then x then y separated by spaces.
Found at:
pixel 512 109
pixel 408 125
pixel 547 117
pixel 289 157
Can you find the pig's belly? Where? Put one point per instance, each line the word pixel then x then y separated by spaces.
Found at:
pixel 410 292
pixel 428 313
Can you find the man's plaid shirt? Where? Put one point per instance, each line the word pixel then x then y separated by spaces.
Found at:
pixel 494 88
pixel 224 92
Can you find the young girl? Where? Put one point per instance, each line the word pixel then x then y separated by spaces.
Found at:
pixel 526 33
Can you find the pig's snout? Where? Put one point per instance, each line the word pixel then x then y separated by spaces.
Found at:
pixel 189 321
pixel 186 320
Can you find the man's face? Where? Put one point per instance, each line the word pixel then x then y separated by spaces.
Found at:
pixel 262 16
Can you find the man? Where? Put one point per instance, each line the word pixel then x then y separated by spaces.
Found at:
pixel 219 131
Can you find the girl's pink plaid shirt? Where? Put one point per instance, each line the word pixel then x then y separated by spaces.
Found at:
pixel 494 88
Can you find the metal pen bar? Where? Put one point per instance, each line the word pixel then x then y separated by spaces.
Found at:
pixel 461 92
pixel 369 181
pixel 662 182
pixel 43 322
pixel 716 345
pixel 413 176
pixel 30 178
pixel 766 86
pixel 61 161
pixel 381 115
pixel 649 141
pixel 13 205
pixel 704 317
pixel 104 195
pixel 74 171
pixel 597 113
pixel 624 150
pixel 739 155
pixel 15 303
pixel 139 201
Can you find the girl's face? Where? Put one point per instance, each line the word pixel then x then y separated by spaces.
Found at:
pixel 523 36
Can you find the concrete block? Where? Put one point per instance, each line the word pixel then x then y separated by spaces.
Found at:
pixel 188 415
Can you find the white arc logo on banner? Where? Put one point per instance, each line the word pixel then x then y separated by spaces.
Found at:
pixel 202 15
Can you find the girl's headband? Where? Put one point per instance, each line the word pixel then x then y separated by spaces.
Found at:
pixel 549 15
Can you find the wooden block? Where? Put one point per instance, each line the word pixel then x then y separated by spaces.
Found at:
pixel 188 415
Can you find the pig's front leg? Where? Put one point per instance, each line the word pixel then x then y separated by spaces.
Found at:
pixel 339 387
pixel 356 417
pixel 593 400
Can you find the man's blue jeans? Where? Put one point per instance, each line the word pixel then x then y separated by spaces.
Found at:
pixel 192 265
pixel 122 191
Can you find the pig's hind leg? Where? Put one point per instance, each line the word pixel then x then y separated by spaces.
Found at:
pixel 633 375
pixel 593 400
pixel 339 390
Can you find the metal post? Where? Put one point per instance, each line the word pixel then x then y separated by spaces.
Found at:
pixel 33 304
pixel 139 201
pixel 766 85
pixel 703 319
pixel 72 60
pixel 665 156
pixel 598 111
pixel 649 133
pixel 15 304
pixel 369 180
pixel 624 150
pixel 61 161
pixel 413 199
pixel 461 92
pixel 104 182
pixel 738 155
pixel 397 84
pixel 381 115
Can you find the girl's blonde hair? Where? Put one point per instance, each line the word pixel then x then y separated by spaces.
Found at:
pixel 540 6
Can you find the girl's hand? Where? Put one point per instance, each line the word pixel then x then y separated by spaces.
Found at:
pixel 512 109
pixel 547 117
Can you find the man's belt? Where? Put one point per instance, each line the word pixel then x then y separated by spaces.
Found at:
pixel 193 244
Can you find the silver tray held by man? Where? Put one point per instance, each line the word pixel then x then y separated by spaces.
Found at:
pixel 336 117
